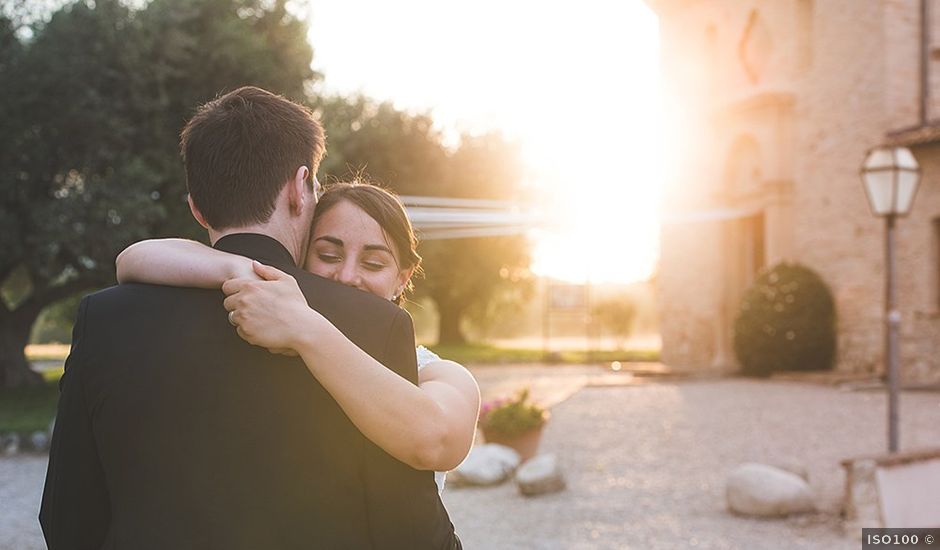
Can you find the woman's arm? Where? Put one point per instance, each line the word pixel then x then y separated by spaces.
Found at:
pixel 455 390
pixel 179 262
pixel 428 427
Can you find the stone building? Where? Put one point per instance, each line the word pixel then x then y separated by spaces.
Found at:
pixel 776 103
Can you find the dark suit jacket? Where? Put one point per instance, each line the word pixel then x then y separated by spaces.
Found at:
pixel 173 433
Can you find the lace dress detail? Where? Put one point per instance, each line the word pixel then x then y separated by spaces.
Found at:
pixel 426 357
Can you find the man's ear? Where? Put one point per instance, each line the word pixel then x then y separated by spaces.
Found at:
pixel 196 213
pixel 297 191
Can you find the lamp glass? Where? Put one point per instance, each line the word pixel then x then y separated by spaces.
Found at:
pixel 890 176
pixel 904 158
pixel 878 186
pixel 879 158
pixel 907 188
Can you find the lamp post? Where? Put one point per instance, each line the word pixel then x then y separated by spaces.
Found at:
pixel 891 176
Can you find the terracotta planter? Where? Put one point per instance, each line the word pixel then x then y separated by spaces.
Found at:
pixel 526 444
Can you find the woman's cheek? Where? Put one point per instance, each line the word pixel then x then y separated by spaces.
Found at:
pixel 320 268
pixel 380 284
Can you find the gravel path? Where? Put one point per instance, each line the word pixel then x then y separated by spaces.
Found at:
pixel 21 480
pixel 645 463
pixel 646 466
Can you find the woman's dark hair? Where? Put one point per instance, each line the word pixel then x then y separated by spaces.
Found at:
pixel 383 207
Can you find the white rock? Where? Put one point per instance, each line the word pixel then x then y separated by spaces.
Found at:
pixel 39 441
pixel 766 491
pixel 540 475
pixel 10 443
pixel 487 464
pixel 794 468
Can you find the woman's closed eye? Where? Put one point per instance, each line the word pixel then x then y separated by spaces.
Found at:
pixel 329 258
pixel 374 266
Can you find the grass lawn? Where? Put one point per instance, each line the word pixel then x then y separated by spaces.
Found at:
pixel 32 409
pixel 47 352
pixel 469 354
pixel 28 409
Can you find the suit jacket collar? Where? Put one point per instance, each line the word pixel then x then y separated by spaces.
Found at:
pixel 259 247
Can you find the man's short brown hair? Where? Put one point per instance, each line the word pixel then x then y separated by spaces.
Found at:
pixel 241 148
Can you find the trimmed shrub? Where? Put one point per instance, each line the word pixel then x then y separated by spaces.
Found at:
pixel 787 322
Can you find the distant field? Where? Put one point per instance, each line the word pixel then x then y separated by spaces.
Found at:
pixel 28 409
pixel 485 353
pixel 47 352
pixel 580 342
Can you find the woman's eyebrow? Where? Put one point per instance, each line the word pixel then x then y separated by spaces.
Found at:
pixel 368 247
pixel 380 247
pixel 329 239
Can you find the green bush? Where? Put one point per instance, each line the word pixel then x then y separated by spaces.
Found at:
pixel 512 417
pixel 787 322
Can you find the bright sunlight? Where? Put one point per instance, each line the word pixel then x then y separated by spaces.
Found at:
pixel 577 86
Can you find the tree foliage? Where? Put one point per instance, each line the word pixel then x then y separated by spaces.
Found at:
pixel 616 314
pixel 92 100
pixel 92 104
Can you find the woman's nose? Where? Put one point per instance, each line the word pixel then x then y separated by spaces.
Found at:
pixel 348 274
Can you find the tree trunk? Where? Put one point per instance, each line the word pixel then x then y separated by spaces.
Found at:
pixel 14 335
pixel 449 324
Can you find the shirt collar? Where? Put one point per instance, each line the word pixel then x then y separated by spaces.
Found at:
pixel 259 247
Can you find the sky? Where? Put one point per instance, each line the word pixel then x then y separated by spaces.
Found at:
pixel 575 83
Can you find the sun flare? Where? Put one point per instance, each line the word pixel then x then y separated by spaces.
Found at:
pixel 577 88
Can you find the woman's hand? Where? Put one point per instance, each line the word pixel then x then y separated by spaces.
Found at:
pixel 271 312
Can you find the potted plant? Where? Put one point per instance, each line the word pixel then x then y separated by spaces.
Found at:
pixel 514 422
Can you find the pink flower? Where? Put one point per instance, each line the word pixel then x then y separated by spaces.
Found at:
pixel 490 405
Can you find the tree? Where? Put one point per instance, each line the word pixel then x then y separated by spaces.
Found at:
pixel 467 274
pixel 404 152
pixel 400 150
pixel 92 105
pixel 616 314
pixel 55 322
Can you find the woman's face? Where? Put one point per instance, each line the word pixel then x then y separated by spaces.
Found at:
pixel 350 247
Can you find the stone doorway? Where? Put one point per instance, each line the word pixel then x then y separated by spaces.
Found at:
pixel 743 257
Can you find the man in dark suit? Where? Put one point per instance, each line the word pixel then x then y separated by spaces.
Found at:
pixel 173 433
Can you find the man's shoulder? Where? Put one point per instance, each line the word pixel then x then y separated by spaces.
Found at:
pixel 133 296
pixel 142 290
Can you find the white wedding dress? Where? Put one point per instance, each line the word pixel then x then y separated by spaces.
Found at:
pixel 425 358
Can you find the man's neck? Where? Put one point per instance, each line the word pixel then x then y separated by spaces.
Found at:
pixel 280 234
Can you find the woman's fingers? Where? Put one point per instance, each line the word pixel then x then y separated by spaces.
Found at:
pixel 267 272
pixel 232 302
pixel 233 286
pixel 266 311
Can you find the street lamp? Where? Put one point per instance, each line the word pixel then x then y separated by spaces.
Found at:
pixel 891 175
